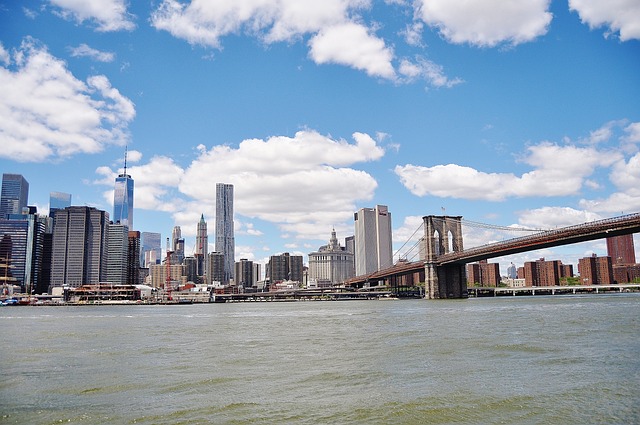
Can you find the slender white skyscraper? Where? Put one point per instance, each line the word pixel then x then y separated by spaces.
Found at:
pixel 225 242
pixel 123 198
pixel 373 242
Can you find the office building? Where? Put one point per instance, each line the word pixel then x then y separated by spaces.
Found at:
pixel 621 249
pixel 123 198
pixel 150 249
pixel 216 268
pixel 117 253
pixel 285 267
pixel 79 247
pixel 177 242
pixel 245 273
pixel 133 259
pixel 332 264
pixel 225 242
pixel 22 251
pixel 201 251
pixel 14 195
pixel 373 240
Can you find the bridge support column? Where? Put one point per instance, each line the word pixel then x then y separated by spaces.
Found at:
pixel 443 234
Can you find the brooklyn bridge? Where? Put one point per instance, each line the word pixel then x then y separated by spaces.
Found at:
pixel 443 264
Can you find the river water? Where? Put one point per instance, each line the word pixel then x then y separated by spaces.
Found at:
pixel 507 360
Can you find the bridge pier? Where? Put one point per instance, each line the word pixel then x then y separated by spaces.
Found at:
pixel 445 281
pixel 443 234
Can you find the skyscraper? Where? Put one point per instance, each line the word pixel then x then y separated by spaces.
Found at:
pixel 621 249
pixel 178 245
pixel 117 253
pixel 151 249
pixel 225 241
pixel 373 242
pixel 200 252
pixel 21 251
pixel 14 196
pixel 123 198
pixel 79 246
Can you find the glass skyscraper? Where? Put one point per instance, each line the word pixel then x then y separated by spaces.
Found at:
pixel 58 201
pixel 14 196
pixel 151 249
pixel 123 200
pixel 225 242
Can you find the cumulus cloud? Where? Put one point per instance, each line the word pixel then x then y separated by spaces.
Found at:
pixel 486 23
pixel 305 184
pixel 84 50
pixel 625 175
pixel 107 15
pixel 353 45
pixel 552 164
pixel 46 113
pixel 555 217
pixel 620 16
pixel 336 32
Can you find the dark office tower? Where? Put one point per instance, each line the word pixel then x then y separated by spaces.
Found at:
pixel 117 253
pixel 244 273
pixel 191 269
pixel 621 249
pixel 216 268
pixel 79 246
pixel 14 196
pixel 123 198
pixel 21 251
pixel 133 259
pixel 225 242
pixel 285 267
pixel 58 201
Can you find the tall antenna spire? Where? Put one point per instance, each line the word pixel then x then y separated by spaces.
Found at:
pixel 125 160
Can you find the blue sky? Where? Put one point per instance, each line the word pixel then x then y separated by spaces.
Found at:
pixel 504 112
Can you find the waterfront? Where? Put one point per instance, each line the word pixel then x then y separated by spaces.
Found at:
pixel 518 360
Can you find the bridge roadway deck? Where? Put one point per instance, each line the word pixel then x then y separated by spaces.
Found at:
pixel 600 229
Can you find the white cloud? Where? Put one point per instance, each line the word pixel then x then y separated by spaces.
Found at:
pixel 556 173
pixel 304 184
pixel 555 217
pixel 632 133
pixel 625 175
pixel 413 34
pixel 5 57
pixel 335 30
pixel 47 113
pixel 620 16
pixel 84 50
pixel 426 70
pixel 108 15
pixel 353 45
pixel 486 23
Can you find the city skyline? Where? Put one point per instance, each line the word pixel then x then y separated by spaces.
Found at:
pixel 313 114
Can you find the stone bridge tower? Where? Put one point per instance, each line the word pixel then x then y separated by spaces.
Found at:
pixel 443 234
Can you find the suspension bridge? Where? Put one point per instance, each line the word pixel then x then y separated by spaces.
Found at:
pixel 443 260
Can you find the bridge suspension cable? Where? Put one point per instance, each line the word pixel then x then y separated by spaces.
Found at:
pixel 497 227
